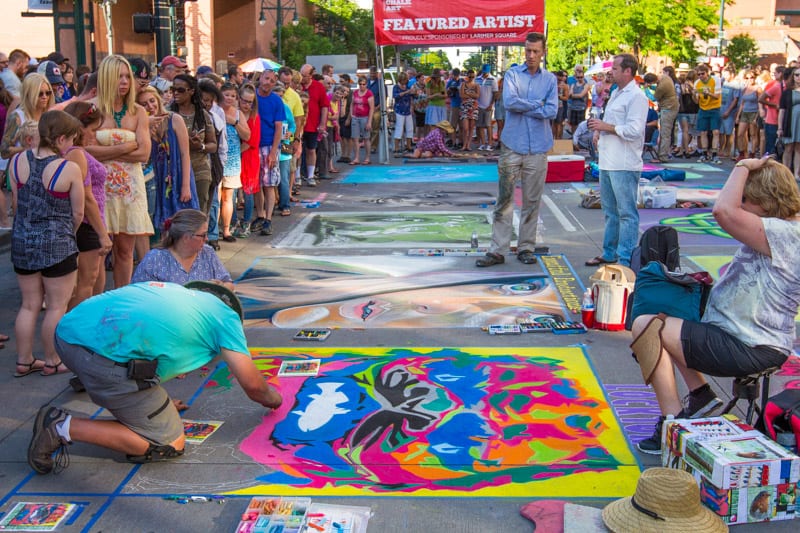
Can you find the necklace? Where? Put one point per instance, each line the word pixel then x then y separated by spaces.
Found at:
pixel 119 114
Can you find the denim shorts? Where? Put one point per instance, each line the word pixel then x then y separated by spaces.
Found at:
pixel 711 350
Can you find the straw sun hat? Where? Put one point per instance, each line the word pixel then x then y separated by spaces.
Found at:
pixel 445 125
pixel 666 501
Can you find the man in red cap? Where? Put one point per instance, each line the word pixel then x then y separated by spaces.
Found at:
pixel 169 67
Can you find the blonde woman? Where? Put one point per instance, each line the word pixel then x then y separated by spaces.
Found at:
pixel 123 144
pixel 36 97
pixel 172 168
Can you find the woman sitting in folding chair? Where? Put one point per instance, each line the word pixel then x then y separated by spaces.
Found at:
pixel 749 322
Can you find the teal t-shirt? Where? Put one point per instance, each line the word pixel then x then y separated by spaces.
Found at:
pixel 183 329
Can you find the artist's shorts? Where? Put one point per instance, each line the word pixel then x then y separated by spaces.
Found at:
pixel 345 132
pixel 708 120
pixel 310 140
pixel 148 412
pixel 711 350
pixel 748 117
pixel 419 119
pixel 87 237
pixel 232 182
pixel 561 114
pixel 270 177
pixel 484 118
pixel 687 118
pixel 67 266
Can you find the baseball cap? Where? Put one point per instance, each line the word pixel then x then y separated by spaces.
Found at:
pixel 204 69
pixel 172 60
pixel 57 57
pixel 51 71
pixel 141 68
pixel 221 292
pixel 487 68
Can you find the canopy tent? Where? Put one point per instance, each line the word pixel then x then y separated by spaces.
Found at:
pixel 453 22
pixel 600 66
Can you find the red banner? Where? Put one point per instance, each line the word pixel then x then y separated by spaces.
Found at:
pixel 456 22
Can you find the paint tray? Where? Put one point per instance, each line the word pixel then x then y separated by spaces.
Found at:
pixel 330 518
pixel 273 513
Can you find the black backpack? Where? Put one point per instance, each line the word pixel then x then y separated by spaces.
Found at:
pixel 658 243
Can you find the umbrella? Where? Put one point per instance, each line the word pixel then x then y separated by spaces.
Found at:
pixel 601 66
pixel 259 64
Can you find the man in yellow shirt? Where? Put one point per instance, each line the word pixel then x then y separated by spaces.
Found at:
pixel 708 95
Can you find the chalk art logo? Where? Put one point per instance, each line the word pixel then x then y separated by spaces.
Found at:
pixel 395 5
pixel 450 420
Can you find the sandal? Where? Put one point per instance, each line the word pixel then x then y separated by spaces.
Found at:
pixel 354 163
pixel 286 212
pixel 30 368
pixel 58 368
pixel 599 260
pixel 365 162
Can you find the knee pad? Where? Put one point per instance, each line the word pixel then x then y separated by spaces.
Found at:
pixel 155 453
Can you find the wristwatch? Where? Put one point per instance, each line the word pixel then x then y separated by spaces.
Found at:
pixel 203 147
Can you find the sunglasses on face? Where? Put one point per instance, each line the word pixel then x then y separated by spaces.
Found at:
pixel 179 90
pixel 45 94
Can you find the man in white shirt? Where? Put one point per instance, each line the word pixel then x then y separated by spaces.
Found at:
pixel 620 138
pixel 489 90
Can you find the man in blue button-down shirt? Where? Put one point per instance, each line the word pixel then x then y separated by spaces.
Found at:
pixel 530 97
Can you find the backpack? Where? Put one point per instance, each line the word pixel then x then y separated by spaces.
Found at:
pixel 781 418
pixel 658 243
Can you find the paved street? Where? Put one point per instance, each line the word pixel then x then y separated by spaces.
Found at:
pixel 294 278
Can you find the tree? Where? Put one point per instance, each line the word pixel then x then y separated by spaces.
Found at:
pixel 609 27
pixel 742 51
pixel 300 41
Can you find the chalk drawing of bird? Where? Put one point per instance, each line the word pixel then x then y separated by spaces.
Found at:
pixel 322 407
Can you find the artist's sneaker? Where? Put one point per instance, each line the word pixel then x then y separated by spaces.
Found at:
pixel 257 224
pixel 716 160
pixel 242 232
pixel 701 402
pixel 267 229
pixel 652 445
pixel 46 441
pixel 702 159
pixel 311 182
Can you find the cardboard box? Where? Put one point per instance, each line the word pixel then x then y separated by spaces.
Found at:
pixel 750 504
pixel 677 433
pixel 744 461
pixel 565 168
pixel 561 147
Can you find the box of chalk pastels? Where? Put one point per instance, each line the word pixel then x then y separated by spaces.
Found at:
pixel 273 514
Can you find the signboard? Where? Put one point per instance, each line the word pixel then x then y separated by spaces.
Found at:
pixel 40 5
pixel 453 22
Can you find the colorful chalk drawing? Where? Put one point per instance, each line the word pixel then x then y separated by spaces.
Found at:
pixel 398 291
pixel 636 407
pixel 393 229
pixel 695 226
pixel 441 422
pixel 460 173
pixel 716 265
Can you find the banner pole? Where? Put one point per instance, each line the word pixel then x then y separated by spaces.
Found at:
pixel 383 143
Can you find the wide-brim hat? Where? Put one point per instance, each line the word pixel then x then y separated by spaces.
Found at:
pixel 445 125
pixel 666 501
pixel 221 292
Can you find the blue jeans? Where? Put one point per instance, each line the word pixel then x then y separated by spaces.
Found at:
pixel 249 203
pixel 213 216
pixel 770 137
pixel 283 189
pixel 618 191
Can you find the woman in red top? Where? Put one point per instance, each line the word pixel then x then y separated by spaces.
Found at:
pixel 248 107
pixel 360 122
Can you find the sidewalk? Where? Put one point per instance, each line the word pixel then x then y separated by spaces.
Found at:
pixel 117 496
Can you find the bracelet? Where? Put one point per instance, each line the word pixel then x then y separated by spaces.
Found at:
pixel 203 147
pixel 741 164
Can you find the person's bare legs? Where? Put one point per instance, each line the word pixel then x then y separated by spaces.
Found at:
pixel 123 258
pixel 663 378
pixel 271 195
pixel 88 268
pixel 5 221
pixel 57 293
pixel 226 211
pixel 113 435
pixel 32 292
pixel 141 246
pixel 100 282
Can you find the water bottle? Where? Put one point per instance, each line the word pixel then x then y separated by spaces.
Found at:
pixel 587 309
pixel 473 243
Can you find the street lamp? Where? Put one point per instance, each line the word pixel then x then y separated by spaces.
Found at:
pixel 279 7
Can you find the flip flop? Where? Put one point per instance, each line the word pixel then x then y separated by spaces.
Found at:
pixel 31 368
pixel 599 260
pixel 334 171
pixel 286 213
pixel 58 368
pixel 352 163
pixel 365 162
